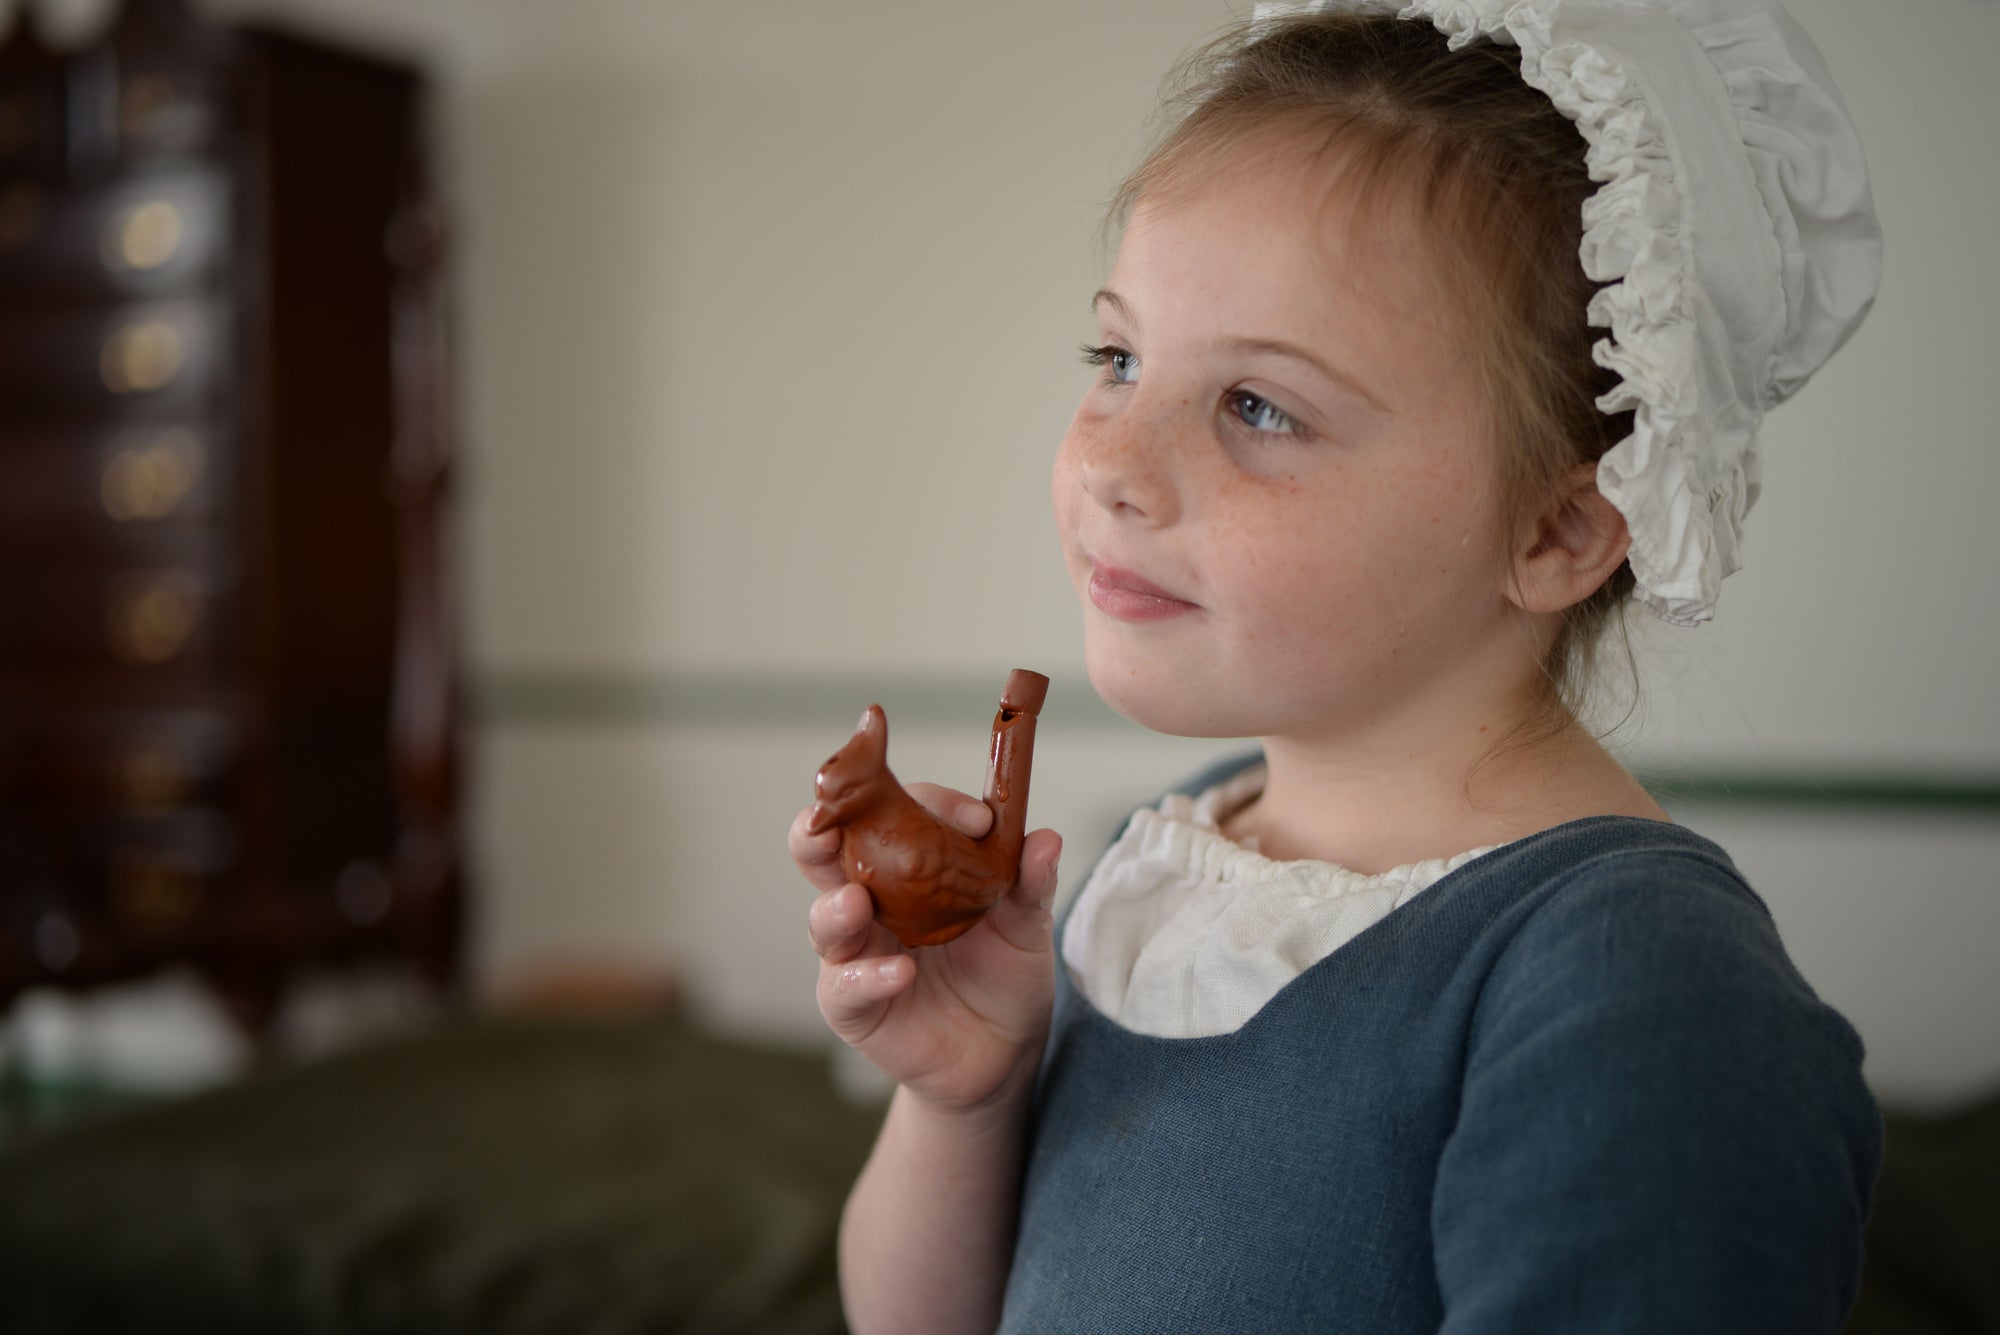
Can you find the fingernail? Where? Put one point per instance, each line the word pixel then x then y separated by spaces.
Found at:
pixel 886 970
pixel 1049 896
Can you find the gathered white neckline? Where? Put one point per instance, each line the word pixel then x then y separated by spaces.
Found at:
pixel 1182 932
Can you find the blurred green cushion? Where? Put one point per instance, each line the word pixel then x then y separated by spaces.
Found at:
pixel 493 1176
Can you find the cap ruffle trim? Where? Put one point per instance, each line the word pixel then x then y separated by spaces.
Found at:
pixel 1685 529
pixel 1683 485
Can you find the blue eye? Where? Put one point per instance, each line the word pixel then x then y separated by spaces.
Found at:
pixel 1124 365
pixel 1261 414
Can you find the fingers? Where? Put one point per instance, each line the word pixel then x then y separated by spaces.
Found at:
pixel 862 969
pixel 841 924
pixel 853 996
pixel 964 813
pixel 817 855
pixel 1040 855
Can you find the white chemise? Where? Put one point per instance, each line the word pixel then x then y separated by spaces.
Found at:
pixel 1181 932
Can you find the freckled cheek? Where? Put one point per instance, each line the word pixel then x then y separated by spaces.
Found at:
pixel 1070 505
pixel 1287 570
pixel 1329 579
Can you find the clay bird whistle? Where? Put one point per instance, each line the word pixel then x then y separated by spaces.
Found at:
pixel 930 882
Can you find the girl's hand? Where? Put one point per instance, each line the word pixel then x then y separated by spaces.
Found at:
pixel 960 1024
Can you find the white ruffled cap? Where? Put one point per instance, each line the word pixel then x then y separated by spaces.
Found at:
pixel 1723 298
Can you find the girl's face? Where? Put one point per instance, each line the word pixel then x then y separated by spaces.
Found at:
pixel 1278 501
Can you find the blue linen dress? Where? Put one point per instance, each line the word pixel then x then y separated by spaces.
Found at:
pixel 1576 1085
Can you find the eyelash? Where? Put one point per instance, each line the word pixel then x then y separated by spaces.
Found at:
pixel 1096 354
pixel 1101 354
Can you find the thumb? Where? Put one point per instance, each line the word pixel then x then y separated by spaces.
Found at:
pixel 1023 917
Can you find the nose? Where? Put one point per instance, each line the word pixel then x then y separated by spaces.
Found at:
pixel 1126 463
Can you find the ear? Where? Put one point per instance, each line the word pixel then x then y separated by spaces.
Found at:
pixel 1568 549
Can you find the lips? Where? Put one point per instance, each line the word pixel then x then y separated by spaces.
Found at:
pixel 1130 597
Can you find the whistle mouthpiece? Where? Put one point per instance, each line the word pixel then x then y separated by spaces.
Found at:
pixel 1024 692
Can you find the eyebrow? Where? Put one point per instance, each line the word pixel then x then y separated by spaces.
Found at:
pixel 1104 296
pixel 1270 346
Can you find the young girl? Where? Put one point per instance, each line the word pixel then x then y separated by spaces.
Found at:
pixel 1425 1017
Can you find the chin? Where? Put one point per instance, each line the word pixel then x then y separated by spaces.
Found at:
pixel 1162 701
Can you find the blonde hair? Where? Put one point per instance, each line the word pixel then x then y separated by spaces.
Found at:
pixel 1496 178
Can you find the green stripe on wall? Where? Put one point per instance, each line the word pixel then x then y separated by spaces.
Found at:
pixel 1911 791
pixel 592 699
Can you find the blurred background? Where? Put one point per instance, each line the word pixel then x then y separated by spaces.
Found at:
pixel 719 355
pixel 763 323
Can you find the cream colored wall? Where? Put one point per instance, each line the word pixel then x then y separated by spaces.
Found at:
pixel 763 301
pixel 801 305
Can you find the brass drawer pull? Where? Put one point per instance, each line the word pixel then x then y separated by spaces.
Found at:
pixel 141 356
pixel 151 481
pixel 144 236
pixel 153 622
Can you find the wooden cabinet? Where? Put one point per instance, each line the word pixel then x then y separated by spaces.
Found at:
pixel 227 717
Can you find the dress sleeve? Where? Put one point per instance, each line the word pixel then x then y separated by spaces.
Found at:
pixel 1662 1128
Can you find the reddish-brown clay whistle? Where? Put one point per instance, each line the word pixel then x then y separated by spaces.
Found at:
pixel 930 882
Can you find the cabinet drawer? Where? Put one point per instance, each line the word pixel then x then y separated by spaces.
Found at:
pixel 144 357
pixel 162 627
pixel 173 108
pixel 148 232
pixel 100 889
pixel 157 875
pixel 71 484
pixel 134 761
